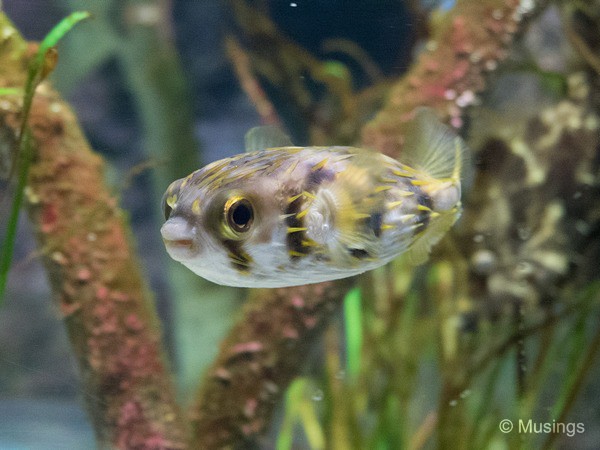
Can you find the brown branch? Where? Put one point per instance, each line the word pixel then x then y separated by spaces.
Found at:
pixel 580 45
pixel 241 63
pixel 464 48
pixel 259 358
pixel 94 275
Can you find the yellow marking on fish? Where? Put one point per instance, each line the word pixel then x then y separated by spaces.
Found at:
pixel 423 208
pixel 186 180
pixel 388 180
pixel 196 206
pixel 292 167
pixel 402 174
pixel 405 193
pixel 294 198
pixel 319 165
pixel 392 205
pixel 359 216
pixel 420 182
pixel 304 194
pixel 302 213
pixel 172 200
pixel 383 188
pixel 309 243
pixel 243 260
pixel 387 226
pixel 295 253
pixel 296 229
pixel 407 217
pixel 246 176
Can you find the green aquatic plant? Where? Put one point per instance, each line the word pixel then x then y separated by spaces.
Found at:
pixel 38 69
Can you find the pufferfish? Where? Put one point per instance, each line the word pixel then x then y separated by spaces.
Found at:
pixel 281 215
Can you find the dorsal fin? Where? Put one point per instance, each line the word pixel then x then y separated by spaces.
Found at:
pixel 268 136
pixel 435 149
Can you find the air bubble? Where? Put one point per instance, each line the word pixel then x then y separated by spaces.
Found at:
pixel 524 268
pixel 524 233
pixel 318 395
pixel 483 262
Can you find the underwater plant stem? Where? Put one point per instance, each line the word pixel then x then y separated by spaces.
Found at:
pixel 94 275
pixel 38 69
pixel 260 356
pixel 11 232
pixel 156 78
pixel 242 65
pixel 575 382
pixel 507 342
pixel 354 332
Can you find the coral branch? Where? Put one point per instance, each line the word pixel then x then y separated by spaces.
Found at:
pixel 263 353
pixel 93 272
pixel 467 44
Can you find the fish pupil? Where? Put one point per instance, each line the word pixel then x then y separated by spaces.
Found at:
pixel 241 215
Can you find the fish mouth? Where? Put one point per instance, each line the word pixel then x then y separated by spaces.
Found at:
pixel 185 243
pixel 178 237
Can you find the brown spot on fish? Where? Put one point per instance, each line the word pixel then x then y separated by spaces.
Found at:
pixel 359 253
pixel 375 223
pixel 424 208
pixel 240 260
pixel 296 231
pixel 316 178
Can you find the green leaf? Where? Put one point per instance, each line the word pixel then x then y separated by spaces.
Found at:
pixel 38 69
pixel 354 332
pixel 11 91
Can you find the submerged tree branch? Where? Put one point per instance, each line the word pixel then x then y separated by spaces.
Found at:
pixel 93 272
pixel 465 46
pixel 259 358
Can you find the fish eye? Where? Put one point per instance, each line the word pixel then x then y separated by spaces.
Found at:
pixel 239 215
